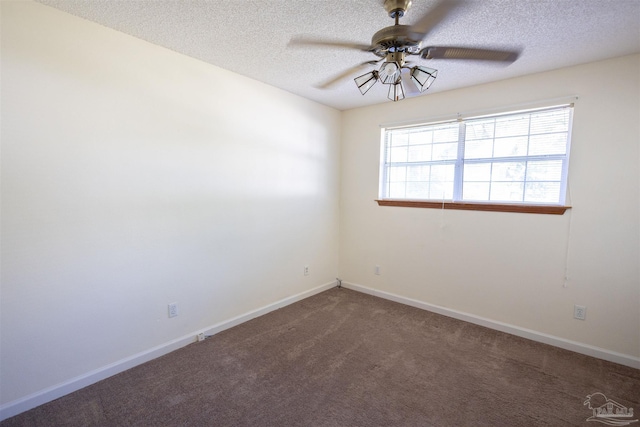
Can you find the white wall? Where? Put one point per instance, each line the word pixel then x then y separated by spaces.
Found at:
pixel 510 267
pixel 133 177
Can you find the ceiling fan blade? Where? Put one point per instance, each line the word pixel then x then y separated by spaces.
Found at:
pixel 452 52
pixel 298 41
pixel 343 75
pixel 424 25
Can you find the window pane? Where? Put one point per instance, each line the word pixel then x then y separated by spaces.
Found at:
pixel 397 174
pixel 417 173
pixel 550 121
pixel 419 153
pixel 542 192
pixel 477 172
pixel 555 143
pixel 512 126
pixel 399 139
pixel 442 172
pixel 480 149
pixel 441 182
pixel 441 190
pixel 476 191
pixel 445 151
pixel 397 190
pixel 420 138
pixel 398 154
pixel 510 147
pixel 507 191
pixel 446 134
pixel 508 171
pixel 418 190
pixel 480 129
pixel 414 162
pixel 550 170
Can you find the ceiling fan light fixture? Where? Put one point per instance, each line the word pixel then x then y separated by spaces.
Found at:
pixel 396 91
pixel 394 45
pixel 366 81
pixel 389 73
pixel 423 77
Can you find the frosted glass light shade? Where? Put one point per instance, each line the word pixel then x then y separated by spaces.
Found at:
pixel 396 91
pixel 423 77
pixel 366 81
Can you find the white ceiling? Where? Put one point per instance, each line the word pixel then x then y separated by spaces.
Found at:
pixel 251 37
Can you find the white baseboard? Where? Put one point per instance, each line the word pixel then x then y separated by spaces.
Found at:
pixel 18 406
pixel 589 350
pixel 219 327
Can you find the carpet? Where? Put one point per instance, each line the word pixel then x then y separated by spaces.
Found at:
pixel 343 358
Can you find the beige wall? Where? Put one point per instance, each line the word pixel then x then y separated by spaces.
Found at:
pixel 133 177
pixel 511 267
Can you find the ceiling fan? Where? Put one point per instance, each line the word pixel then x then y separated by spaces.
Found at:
pixel 392 45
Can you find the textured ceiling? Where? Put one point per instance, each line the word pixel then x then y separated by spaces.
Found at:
pixel 251 37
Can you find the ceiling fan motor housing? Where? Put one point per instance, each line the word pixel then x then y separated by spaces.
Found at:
pixel 395 38
pixel 397 7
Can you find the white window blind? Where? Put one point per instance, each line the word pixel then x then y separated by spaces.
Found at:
pixel 517 157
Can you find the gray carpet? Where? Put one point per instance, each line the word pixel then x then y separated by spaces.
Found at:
pixel 343 358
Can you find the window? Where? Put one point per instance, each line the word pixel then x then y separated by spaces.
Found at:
pixel 514 158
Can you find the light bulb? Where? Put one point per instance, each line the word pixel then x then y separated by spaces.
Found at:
pixel 389 73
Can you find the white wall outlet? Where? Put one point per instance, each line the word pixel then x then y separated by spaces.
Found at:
pixel 173 309
pixel 377 270
pixel 306 270
pixel 201 336
pixel 579 312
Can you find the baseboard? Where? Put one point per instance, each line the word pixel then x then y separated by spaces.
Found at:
pixel 219 327
pixel 18 406
pixel 589 350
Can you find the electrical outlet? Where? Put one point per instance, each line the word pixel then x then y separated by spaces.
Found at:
pixel 173 309
pixel 201 336
pixel 306 270
pixel 579 312
pixel 377 270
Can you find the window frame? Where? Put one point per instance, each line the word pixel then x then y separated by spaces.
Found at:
pixel 459 162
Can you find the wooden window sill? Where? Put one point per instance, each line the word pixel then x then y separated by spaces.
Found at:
pixel 471 206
